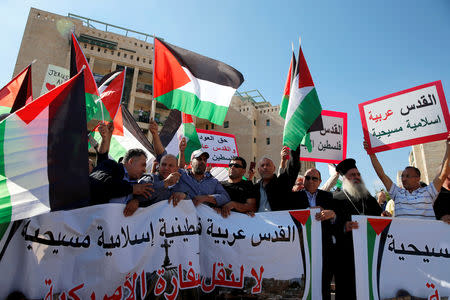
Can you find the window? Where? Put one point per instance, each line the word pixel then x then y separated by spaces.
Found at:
pixel 254 122
pixel 98 49
pixel 254 140
pixel 104 51
pixel 267 141
pixel 268 122
pixel 146 47
pixel 143 60
pixel 85 46
pixel 92 47
pixel 212 126
pixel 206 126
pixel 226 124
pixel 118 53
pixel 131 56
pixel 125 55
pixel 112 52
pixel 137 58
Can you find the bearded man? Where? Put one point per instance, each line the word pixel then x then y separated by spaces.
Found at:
pixel 354 199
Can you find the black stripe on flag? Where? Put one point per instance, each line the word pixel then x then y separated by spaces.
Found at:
pixel 130 124
pixel 24 92
pixel 67 154
pixel 170 127
pixel 206 68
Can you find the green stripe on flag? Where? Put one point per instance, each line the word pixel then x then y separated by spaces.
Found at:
pixel 301 120
pixel 5 198
pixel 193 143
pixel 116 150
pixel 371 236
pixel 284 106
pixel 94 109
pixel 189 103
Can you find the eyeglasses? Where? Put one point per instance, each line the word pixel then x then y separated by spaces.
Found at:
pixel 307 177
pixel 236 166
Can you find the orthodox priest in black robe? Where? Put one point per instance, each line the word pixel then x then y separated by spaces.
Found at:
pixel 353 199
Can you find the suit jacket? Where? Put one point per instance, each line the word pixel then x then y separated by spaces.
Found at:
pixel 279 188
pixel 299 200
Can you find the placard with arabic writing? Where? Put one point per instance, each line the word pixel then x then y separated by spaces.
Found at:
pixel 220 146
pixel 410 117
pixel 330 144
pixel 401 256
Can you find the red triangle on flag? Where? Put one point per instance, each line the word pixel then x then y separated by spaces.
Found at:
pixel 169 75
pixel 305 78
pixel 379 224
pixel 186 118
pixel 301 215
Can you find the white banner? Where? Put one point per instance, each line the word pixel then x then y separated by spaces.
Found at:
pixel 185 252
pixel 220 146
pixel 330 144
pixel 414 116
pixel 401 257
pixel 55 76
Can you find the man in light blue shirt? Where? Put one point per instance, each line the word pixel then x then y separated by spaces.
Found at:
pixel 199 185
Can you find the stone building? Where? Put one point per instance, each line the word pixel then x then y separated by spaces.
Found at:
pixel 46 39
pixel 428 159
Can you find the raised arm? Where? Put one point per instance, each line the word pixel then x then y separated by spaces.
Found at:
pixel 440 178
pixel 181 158
pixel 159 148
pixel 106 131
pixel 378 168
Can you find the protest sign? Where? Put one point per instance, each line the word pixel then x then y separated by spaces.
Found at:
pixel 330 144
pixel 183 251
pixel 401 256
pixel 53 77
pixel 410 117
pixel 220 146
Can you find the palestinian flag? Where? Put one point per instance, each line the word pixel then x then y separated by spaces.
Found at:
pixel 192 83
pixel 43 157
pixel 17 92
pixel 95 109
pixel 111 91
pixel 287 87
pixel 186 128
pixel 303 113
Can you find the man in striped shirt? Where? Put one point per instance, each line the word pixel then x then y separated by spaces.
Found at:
pixel 413 201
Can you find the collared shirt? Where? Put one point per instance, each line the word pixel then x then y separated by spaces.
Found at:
pixel 160 192
pixel 129 197
pixel 311 198
pixel 208 185
pixel 418 204
pixel 264 204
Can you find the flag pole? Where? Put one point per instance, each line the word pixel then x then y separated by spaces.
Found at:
pixel 152 113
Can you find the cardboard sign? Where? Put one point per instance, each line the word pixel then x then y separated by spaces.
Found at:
pixel 410 117
pixel 221 147
pixel 329 144
pixel 55 76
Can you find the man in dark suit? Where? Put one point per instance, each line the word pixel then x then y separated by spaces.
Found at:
pixel 275 190
pixel 311 197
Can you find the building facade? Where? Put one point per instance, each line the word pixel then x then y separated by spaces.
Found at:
pixel 428 159
pixel 256 124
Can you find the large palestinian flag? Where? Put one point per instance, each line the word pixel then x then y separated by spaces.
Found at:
pixel 192 83
pixel 95 109
pixel 287 87
pixel 304 108
pixel 17 92
pixel 43 156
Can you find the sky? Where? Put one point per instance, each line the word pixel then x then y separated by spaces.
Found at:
pixel 356 50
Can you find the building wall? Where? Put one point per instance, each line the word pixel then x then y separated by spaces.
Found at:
pixel 428 159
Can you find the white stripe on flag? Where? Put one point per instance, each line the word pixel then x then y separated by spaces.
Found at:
pixel 295 98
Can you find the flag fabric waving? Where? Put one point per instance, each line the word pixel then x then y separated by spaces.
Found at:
pixel 17 92
pixel 304 107
pixel 287 87
pixel 193 83
pixel 177 126
pixel 43 157
pixel 95 109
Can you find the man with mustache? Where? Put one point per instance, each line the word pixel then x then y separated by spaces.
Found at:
pixel 353 199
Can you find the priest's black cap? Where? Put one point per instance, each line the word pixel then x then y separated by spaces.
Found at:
pixel 346 165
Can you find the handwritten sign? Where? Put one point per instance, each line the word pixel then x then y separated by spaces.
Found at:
pixel 186 251
pixel 330 144
pixel 55 76
pixel 410 117
pixel 221 147
pixel 401 254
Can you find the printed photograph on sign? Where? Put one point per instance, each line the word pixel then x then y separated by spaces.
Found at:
pixel 410 117
pixel 53 77
pixel 221 147
pixel 330 144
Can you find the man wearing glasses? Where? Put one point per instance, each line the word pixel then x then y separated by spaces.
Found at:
pixel 242 192
pixel 311 197
pixel 413 201
pixel 199 185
